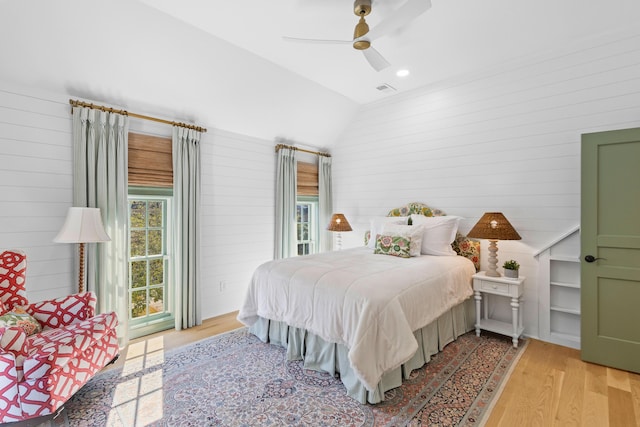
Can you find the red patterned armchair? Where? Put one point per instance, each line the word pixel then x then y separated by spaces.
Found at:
pixel 49 349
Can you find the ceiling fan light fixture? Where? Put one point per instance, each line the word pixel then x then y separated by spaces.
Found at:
pixel 361 29
pixel 361 44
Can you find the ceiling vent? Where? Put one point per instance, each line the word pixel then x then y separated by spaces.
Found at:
pixel 384 87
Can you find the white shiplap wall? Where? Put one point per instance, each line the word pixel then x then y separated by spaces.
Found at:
pixel 238 185
pixel 36 186
pixel 35 183
pixel 505 140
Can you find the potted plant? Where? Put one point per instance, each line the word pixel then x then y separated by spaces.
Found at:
pixel 511 268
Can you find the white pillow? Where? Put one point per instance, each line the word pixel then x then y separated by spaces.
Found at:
pixel 438 233
pixel 412 232
pixel 377 224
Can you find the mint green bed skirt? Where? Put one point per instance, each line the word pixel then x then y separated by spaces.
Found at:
pixel 321 355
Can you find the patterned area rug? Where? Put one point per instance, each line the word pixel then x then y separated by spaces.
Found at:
pixel 235 380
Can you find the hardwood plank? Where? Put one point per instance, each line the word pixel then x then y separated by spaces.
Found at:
pixel 596 379
pixel 595 411
pixel 556 393
pixel 635 396
pixel 552 386
pixel 618 379
pixel 528 396
pixel 571 398
pixel 550 372
pixel 621 411
pixel 510 390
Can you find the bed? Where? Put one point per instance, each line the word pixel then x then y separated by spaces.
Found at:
pixel 369 317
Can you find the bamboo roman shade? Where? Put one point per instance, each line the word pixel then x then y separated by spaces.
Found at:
pixel 150 161
pixel 307 179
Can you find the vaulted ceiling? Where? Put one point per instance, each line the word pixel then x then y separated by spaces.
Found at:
pixel 453 37
pixel 224 63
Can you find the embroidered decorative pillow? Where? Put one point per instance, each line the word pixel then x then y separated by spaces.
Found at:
pixel 412 232
pixel 467 248
pixel 19 317
pixel 393 245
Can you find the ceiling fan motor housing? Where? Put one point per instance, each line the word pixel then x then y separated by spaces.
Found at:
pixel 362 7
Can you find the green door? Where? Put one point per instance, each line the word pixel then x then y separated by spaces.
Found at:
pixel 610 249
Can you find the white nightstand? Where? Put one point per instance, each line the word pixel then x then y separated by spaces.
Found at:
pixel 513 288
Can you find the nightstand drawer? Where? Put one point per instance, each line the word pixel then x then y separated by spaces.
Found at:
pixel 493 287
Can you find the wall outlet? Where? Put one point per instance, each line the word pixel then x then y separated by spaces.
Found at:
pixel 223 286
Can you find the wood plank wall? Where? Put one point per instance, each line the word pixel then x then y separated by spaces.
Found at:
pixel 238 205
pixel 507 139
pixel 36 186
pixel 35 183
pixel 504 140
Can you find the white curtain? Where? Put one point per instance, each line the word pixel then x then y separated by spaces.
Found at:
pixel 186 238
pixel 325 202
pixel 286 181
pixel 100 181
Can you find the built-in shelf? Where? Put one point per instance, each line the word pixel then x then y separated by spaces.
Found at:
pixel 566 337
pixel 565 310
pixel 566 285
pixel 559 290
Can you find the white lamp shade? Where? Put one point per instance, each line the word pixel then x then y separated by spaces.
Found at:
pixel 83 225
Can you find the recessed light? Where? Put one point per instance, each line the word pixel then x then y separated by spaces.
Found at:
pixel 402 73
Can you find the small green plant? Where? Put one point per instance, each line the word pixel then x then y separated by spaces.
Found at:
pixel 511 265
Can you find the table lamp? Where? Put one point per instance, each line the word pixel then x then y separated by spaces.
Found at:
pixel 493 226
pixel 339 224
pixel 82 225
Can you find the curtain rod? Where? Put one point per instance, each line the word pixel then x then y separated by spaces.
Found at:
pixel 279 146
pixel 76 103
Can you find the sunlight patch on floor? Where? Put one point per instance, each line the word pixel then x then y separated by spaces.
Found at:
pixel 139 401
pixel 143 354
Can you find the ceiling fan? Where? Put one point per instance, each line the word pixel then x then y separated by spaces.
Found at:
pixel 362 36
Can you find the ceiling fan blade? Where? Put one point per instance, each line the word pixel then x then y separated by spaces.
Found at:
pixel 376 60
pixel 317 41
pixel 400 18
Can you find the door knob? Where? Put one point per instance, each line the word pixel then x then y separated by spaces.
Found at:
pixel 591 258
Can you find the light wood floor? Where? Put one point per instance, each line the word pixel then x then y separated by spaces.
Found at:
pixel 550 385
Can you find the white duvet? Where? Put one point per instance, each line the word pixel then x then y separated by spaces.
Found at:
pixel 370 303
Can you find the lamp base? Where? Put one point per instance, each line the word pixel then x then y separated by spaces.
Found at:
pixel 492 271
pixel 81 269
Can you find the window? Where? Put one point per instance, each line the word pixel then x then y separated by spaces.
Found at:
pixel 150 293
pixel 307 225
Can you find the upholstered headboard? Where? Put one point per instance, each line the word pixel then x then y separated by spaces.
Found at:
pixel 415 208
pixel 463 245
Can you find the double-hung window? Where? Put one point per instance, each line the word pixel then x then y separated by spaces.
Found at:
pixel 150 293
pixel 307 224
